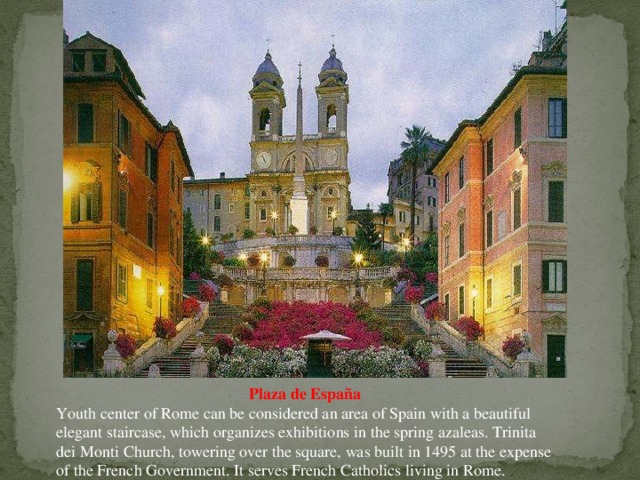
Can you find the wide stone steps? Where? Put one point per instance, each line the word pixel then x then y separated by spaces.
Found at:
pixel 222 319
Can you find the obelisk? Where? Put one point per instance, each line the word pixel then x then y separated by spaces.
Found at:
pixel 299 204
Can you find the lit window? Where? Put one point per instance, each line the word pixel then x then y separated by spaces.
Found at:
pixel 488 289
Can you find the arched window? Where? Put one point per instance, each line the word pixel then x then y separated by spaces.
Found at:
pixel 331 118
pixel 265 120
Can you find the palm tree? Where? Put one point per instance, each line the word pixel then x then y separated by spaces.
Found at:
pixel 414 152
pixel 386 210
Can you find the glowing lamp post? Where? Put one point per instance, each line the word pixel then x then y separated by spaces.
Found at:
pixel 160 294
pixel 205 240
pixel 357 259
pixel 274 217
pixel 243 257
pixel 474 294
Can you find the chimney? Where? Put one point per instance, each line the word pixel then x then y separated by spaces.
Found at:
pixel 222 175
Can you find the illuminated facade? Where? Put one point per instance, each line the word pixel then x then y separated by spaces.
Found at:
pixel 502 219
pixel 122 205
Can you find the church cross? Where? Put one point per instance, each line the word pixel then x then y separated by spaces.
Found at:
pixel 268 42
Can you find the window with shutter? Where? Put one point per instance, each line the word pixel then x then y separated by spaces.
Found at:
pixel 151 163
pixel 85 123
pixel 461 240
pixel 556 201
pixel 489 293
pixel 461 173
pixel 150 230
pixel 517 208
pixel 517 280
pixel 461 302
pixel 121 281
pixel 517 128
pixel 84 285
pixel 122 209
pixel 124 134
pixel 489 228
pixel 554 276
pixel 490 156
pixel 557 118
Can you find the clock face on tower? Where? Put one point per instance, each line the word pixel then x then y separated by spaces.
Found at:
pixel 263 159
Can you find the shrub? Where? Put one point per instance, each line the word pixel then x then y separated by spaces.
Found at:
pixel 389 283
pixel 337 231
pixel 469 327
pixel 253 260
pixel 164 328
pixel 224 281
pixel 190 307
pixel 393 336
pixel 207 292
pixel 285 324
pixel 288 261
pixel 359 306
pixel 512 347
pixel 233 262
pixel 242 331
pixel 293 229
pixel 248 233
pixel 227 237
pixel 422 350
pixel 436 311
pixel 413 294
pixel 373 363
pixel 248 362
pixel 422 369
pixel 270 231
pixel 431 277
pixel 217 257
pixel 407 275
pixel 249 318
pixel 213 357
pixel 313 230
pixel 224 343
pixel 125 344
pixel 322 261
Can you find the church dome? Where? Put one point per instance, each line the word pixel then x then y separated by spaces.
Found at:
pixel 332 67
pixel 267 72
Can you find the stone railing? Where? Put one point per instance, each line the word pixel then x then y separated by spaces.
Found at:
pixel 248 245
pixel 478 350
pixel 418 316
pixel 158 347
pixel 305 273
pixel 292 138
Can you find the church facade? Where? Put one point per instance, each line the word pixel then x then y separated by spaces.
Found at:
pixel 278 192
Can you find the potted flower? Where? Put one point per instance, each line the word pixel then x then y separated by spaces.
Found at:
pixel 288 261
pixel 512 347
pixel 435 311
pixel 190 307
pixel 253 260
pixel 206 292
pixel 322 261
pixel 125 344
pixel 337 231
pixel 164 328
pixel 469 327
pixel 270 231
pixel 293 230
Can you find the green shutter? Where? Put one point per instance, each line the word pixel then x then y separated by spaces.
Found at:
pixel 565 273
pixel 545 276
pixel 564 118
pixel 75 206
pixel 95 202
pixel 556 201
pixel 84 285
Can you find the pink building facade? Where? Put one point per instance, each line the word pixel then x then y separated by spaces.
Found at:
pixel 502 219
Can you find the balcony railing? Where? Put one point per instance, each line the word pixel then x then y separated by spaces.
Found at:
pixel 308 273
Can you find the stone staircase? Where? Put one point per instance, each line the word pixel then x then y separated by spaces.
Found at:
pixel 456 366
pixel 221 319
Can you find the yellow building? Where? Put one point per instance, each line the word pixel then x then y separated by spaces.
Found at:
pixel 122 205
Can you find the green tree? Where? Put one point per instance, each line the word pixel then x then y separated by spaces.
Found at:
pixel 415 151
pixel 366 240
pixel 385 210
pixel 424 258
pixel 196 256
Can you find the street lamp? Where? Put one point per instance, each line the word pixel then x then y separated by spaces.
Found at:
pixel 357 259
pixel 243 257
pixel 263 259
pixel 274 217
pixel 205 240
pixel 160 294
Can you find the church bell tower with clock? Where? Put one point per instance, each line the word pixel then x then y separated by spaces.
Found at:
pixel 313 194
